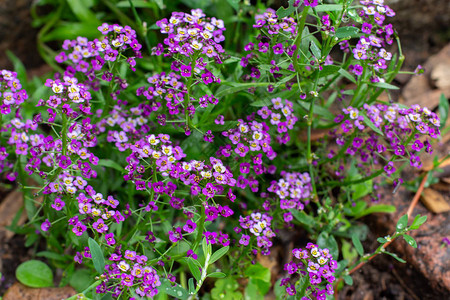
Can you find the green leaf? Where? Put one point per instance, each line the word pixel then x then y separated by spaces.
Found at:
pixel 191 285
pixel 396 257
pixel 284 12
pixel 381 240
pixel 234 4
pixel 303 218
pixel 257 271
pixel 225 289
pixel 348 279
pixel 402 222
pixel 315 50
pixel 194 269
pixel 410 240
pixel 384 85
pixel 110 164
pixel 372 126
pixel 217 275
pixel 325 240
pixel 418 221
pixel 348 31
pixel 97 255
pixel 81 279
pixel 328 7
pixel 71 31
pixel 362 189
pixel 347 75
pixel 379 208
pixel 358 246
pixel 328 70
pixel 51 255
pixel 81 10
pixel 443 110
pixel 173 289
pixel 18 67
pixel 240 87
pixel 218 254
pixel 34 273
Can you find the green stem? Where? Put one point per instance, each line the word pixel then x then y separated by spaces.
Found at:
pixel 200 228
pixel 298 39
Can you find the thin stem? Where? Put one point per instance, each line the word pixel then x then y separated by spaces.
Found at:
pixel 298 39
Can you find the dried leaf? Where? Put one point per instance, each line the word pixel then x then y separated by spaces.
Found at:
pixel 434 201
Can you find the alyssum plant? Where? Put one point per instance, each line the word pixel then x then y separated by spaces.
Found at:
pixel 147 187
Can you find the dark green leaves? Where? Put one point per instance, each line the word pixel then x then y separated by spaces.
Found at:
pixel 218 254
pixel 358 246
pixel 259 281
pixel 34 273
pixel 348 279
pixel 284 12
pixel 173 289
pixel 347 32
pixel 97 256
pixel 195 271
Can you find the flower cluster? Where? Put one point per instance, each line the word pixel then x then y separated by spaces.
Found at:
pixel 370 49
pixel 405 132
pixel 259 226
pixel 98 210
pixel 169 89
pixel 316 268
pixel 11 94
pixel 129 271
pixel 192 34
pixel 292 191
pixel 91 57
pixel 66 92
pixel 269 21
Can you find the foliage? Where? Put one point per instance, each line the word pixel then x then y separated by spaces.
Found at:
pixel 178 161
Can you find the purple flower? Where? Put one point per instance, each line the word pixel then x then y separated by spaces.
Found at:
pixel 209 190
pixel 45 226
pixel 190 226
pixel 186 71
pixel 244 240
pixel 389 168
pixel 64 162
pixel 278 48
pixel 100 226
pixel 109 237
pixel 58 204
pixel 175 235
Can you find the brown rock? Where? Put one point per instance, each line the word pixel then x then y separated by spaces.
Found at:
pixel 19 291
pixel 429 257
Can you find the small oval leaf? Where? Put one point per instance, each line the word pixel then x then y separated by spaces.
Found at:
pixel 35 273
pixel 97 256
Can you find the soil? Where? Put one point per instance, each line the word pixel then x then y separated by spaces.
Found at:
pixel 424 28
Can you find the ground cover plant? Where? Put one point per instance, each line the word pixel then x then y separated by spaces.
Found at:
pixel 166 167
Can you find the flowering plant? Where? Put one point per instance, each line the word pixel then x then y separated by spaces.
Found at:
pixel 157 186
